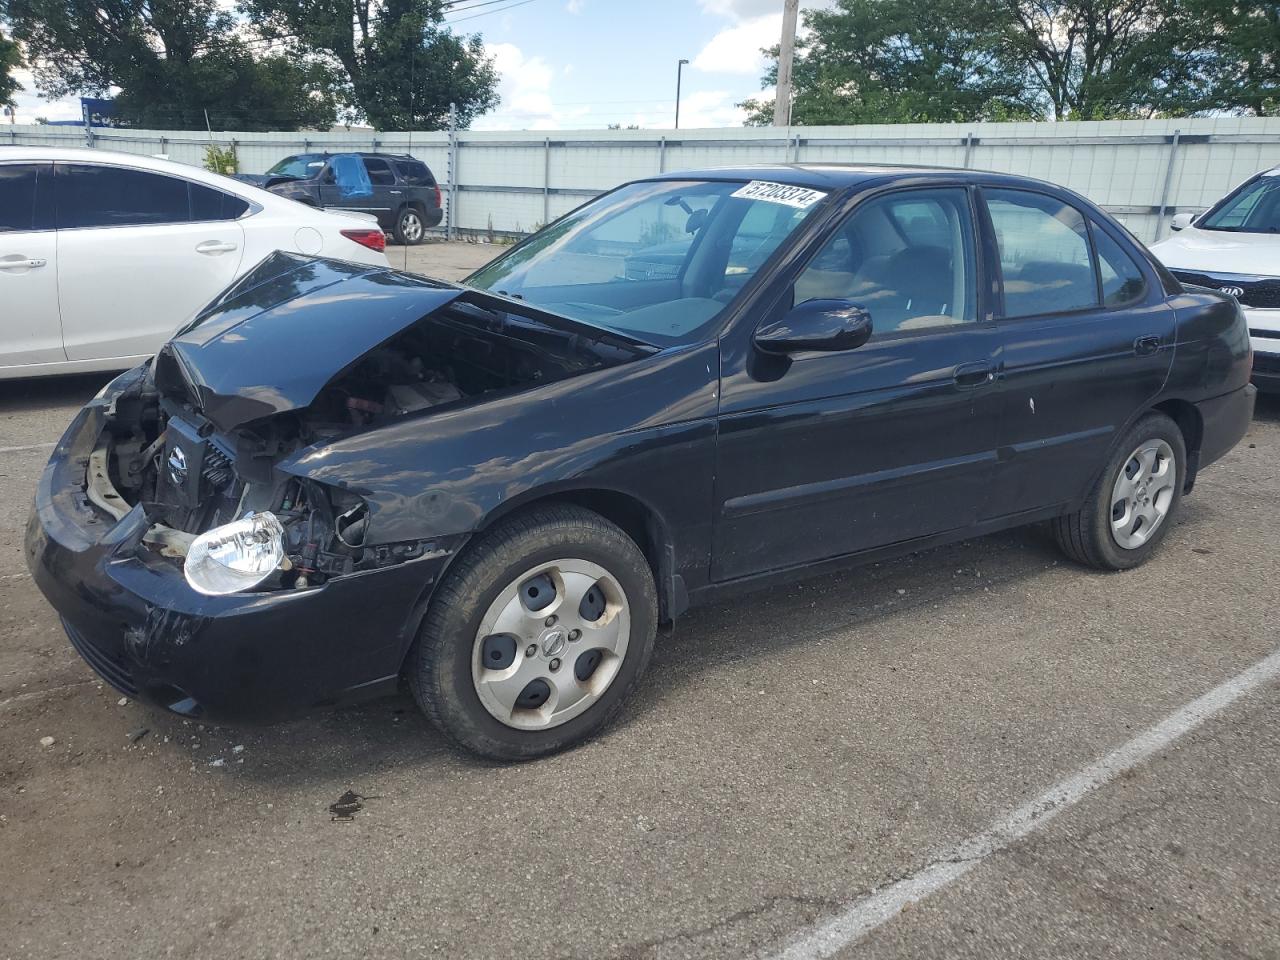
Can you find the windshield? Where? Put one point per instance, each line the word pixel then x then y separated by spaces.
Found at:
pixel 304 166
pixel 654 261
pixel 1254 208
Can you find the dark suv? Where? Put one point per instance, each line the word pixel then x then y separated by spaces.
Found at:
pixel 399 190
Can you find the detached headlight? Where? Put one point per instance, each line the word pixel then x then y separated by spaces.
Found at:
pixel 235 556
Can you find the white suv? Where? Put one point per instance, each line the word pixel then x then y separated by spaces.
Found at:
pixel 104 255
pixel 1235 247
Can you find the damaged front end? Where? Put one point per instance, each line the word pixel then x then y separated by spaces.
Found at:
pixel 199 440
pixel 195 564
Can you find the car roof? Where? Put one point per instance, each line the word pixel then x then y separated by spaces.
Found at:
pixel 837 176
pixel 140 162
pixel 357 153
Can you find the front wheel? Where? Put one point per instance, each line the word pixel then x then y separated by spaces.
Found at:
pixel 410 228
pixel 1131 506
pixel 537 635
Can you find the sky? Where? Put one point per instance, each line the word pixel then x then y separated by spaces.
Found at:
pixel 584 64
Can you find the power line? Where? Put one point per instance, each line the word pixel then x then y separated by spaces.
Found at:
pixel 517 3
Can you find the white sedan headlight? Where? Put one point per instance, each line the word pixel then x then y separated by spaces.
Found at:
pixel 235 556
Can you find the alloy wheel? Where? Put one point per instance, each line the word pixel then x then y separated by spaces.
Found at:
pixel 411 226
pixel 550 644
pixel 1143 493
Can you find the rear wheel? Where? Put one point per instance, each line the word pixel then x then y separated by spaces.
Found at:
pixel 1131 506
pixel 537 635
pixel 410 229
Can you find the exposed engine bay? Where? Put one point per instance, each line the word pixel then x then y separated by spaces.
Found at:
pixel 160 450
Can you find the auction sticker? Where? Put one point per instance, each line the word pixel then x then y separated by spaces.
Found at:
pixel 800 197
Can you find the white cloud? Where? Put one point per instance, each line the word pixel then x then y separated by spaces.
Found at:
pixel 737 49
pixel 574 6
pixel 740 9
pixel 525 87
pixel 30 105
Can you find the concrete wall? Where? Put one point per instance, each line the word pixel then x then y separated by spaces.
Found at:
pixel 515 181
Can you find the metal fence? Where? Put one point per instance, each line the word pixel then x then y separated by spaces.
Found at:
pixel 1142 171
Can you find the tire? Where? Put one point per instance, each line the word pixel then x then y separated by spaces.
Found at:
pixel 569 547
pixel 1093 535
pixel 411 227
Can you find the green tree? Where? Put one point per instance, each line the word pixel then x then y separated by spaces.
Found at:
pixel 967 60
pixel 172 61
pixel 401 65
pixel 902 61
pixel 1104 59
pixel 1236 60
pixel 10 60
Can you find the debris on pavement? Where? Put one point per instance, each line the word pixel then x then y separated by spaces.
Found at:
pixel 347 806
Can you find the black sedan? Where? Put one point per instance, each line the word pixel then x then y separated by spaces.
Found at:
pixel 337 477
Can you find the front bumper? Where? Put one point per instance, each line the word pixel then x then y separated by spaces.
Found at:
pixel 1264 337
pixel 246 657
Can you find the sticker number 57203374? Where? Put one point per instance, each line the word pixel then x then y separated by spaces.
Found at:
pixel 779 193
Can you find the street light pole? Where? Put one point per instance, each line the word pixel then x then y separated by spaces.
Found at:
pixel 679 68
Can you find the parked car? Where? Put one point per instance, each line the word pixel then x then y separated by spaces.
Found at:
pixel 1235 247
pixel 400 191
pixel 336 477
pixel 104 255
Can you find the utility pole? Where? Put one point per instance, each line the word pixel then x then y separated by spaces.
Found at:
pixel 786 54
pixel 679 67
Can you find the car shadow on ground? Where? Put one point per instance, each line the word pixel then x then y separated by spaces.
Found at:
pixel 38 393
pixel 358 743
pixel 1267 408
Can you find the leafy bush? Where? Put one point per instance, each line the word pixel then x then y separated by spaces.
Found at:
pixel 218 160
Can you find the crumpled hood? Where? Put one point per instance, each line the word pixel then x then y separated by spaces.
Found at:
pixel 1221 251
pixel 273 341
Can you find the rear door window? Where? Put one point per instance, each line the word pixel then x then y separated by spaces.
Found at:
pixel 380 172
pixel 26 197
pixel 1044 254
pixel 100 196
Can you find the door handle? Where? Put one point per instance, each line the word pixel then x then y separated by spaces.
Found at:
pixel 1145 346
pixel 215 248
pixel 22 264
pixel 970 376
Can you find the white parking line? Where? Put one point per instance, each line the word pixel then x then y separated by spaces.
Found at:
pixel 29 446
pixel 882 905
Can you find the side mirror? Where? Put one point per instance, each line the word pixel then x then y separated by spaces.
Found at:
pixel 826 325
pixel 1181 221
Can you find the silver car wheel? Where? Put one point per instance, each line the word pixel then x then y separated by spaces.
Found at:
pixel 411 226
pixel 550 644
pixel 1143 493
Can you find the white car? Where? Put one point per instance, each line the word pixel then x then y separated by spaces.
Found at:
pixel 1235 247
pixel 104 255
